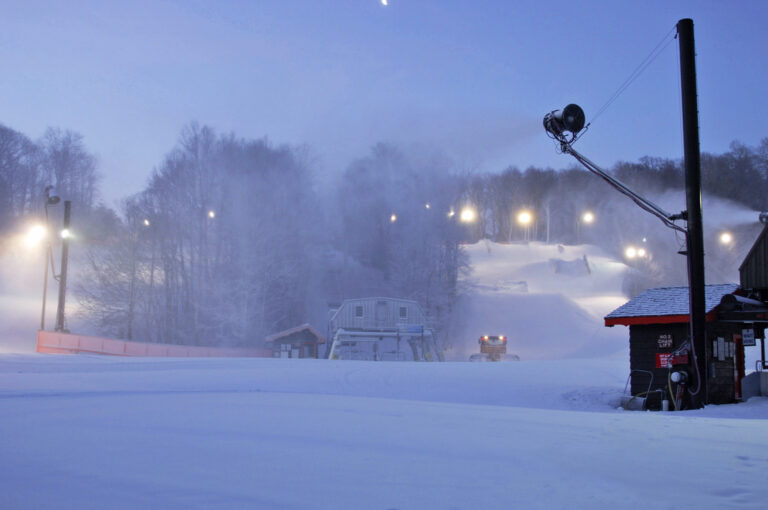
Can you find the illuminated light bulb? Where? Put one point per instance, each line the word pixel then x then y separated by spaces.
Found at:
pixel 467 215
pixel 524 218
pixel 35 235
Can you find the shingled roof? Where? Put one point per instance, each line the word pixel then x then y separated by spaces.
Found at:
pixel 664 305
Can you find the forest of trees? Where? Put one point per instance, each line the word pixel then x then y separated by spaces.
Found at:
pixel 232 240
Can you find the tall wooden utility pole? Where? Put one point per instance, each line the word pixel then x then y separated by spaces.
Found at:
pixel 694 239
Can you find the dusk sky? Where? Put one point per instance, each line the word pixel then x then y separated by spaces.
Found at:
pixel 469 79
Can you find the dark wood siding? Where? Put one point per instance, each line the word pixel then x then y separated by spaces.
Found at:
pixel 721 372
pixel 646 341
pixel 754 270
pixel 644 344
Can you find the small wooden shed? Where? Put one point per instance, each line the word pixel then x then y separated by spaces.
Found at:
pixel 299 342
pixel 658 321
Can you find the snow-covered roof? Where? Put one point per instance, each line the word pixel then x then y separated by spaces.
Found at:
pixel 667 301
pixel 297 329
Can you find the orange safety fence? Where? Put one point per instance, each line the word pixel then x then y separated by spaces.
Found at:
pixel 52 342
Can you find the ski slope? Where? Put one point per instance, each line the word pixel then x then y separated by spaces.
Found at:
pixel 81 432
pixel 549 300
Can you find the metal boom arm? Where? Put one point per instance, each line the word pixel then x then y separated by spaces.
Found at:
pixel 644 203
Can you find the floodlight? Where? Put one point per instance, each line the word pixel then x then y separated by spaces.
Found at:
pixel 524 218
pixel 467 215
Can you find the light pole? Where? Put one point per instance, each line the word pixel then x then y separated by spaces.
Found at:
pixel 64 264
pixel 49 200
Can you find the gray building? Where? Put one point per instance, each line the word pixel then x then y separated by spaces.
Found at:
pixel 381 329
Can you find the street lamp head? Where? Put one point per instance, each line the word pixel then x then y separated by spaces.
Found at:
pixel 588 217
pixel 524 218
pixel 50 197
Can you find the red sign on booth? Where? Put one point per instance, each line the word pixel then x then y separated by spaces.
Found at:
pixel 667 359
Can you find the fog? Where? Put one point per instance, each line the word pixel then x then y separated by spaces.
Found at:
pixel 233 239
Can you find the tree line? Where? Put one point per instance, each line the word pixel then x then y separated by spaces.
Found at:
pixel 232 239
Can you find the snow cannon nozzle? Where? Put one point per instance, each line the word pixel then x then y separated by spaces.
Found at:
pixel 568 120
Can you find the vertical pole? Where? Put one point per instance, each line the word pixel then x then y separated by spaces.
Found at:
pixel 63 276
pixel 694 239
pixel 45 285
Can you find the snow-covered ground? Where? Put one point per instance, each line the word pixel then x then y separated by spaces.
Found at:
pixel 545 432
pixel 95 432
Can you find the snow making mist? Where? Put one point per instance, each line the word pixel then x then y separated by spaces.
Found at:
pixel 729 231
pixel 22 260
pixel 649 248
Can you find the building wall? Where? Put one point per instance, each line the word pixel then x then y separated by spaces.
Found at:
pixel 646 341
pixel 724 363
pixel 754 270
pixel 377 313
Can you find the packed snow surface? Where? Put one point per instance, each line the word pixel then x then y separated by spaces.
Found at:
pixel 97 432
pixel 80 432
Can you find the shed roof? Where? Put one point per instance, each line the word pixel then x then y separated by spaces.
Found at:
pixel 297 329
pixel 665 305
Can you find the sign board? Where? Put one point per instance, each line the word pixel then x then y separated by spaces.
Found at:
pixel 667 359
pixel 417 329
pixel 748 337
pixel 664 341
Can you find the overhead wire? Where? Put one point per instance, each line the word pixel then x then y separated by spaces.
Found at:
pixel 653 55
